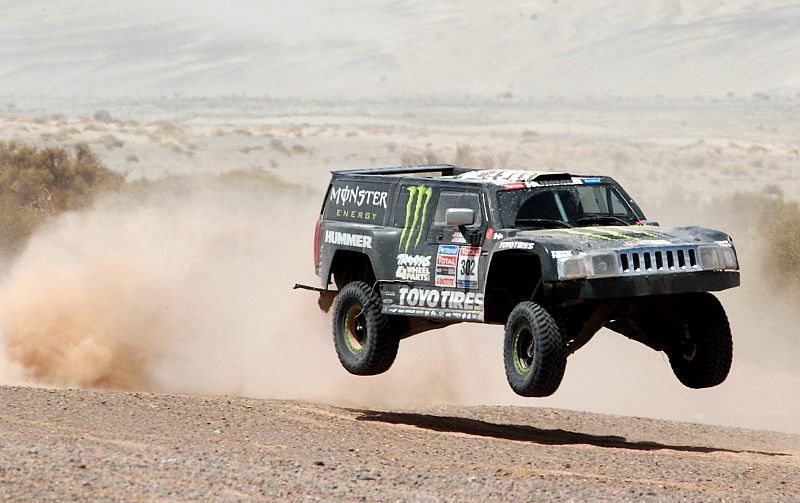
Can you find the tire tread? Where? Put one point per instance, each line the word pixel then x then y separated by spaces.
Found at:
pixel 380 350
pixel 551 355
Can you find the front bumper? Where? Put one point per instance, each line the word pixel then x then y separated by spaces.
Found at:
pixel 642 286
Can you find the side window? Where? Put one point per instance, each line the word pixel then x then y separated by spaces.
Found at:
pixel 449 200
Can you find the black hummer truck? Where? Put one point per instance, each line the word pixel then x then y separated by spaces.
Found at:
pixel 552 256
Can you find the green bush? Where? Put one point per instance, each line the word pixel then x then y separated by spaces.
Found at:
pixel 39 182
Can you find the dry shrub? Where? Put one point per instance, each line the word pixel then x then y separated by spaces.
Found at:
pixel 771 222
pixel 427 156
pixel 39 182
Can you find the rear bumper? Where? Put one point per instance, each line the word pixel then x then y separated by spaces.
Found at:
pixel 641 286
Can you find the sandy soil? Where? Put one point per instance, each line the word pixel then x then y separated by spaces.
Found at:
pixel 60 445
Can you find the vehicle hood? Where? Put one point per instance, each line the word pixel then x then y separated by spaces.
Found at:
pixel 618 237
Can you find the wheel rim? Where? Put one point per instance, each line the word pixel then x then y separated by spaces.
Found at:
pixel 355 328
pixel 524 349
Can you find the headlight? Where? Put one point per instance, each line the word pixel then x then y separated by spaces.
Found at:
pixel 728 257
pixel 596 265
pixel 572 268
pixel 715 258
pixel 604 264
pixel 709 257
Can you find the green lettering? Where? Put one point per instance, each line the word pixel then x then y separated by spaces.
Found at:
pixel 428 192
pixel 411 192
pixel 420 192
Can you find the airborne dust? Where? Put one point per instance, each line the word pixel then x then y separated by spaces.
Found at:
pixel 187 289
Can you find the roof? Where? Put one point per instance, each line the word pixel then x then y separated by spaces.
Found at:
pixel 507 176
pixel 452 172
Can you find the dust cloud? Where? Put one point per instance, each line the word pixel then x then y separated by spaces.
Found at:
pixel 188 290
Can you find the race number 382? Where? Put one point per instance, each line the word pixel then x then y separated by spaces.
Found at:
pixel 468 258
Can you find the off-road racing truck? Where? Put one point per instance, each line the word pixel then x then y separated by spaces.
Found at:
pixel 554 257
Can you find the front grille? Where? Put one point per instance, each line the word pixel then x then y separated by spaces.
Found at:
pixel 653 260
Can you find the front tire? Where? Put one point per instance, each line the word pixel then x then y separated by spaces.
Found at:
pixel 534 351
pixel 364 342
pixel 702 354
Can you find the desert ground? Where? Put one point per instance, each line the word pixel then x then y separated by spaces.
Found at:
pixel 74 445
pixel 154 350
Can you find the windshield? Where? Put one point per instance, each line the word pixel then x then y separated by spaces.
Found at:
pixel 564 206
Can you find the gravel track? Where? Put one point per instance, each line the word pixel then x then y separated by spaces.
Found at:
pixel 114 446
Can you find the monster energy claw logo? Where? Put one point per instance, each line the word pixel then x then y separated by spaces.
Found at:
pixel 420 209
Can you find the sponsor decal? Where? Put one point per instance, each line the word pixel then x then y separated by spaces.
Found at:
pixel 726 244
pixel 446 264
pixel 446 271
pixel 592 181
pixel 498 236
pixel 515 245
pixel 431 313
pixel 416 213
pixel 347 239
pixel 446 281
pixel 413 267
pixel 650 242
pixel 447 260
pixel 347 196
pixel 356 204
pixel 506 175
pixel 440 299
pixel 561 254
pixel 511 179
pixel 355 215
pixel 457 237
pixel 467 269
pixel 516 186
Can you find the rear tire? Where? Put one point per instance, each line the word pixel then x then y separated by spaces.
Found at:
pixel 702 354
pixel 364 342
pixel 534 351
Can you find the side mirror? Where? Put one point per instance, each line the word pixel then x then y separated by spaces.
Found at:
pixel 458 217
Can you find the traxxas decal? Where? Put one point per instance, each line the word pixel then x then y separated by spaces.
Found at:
pixel 416 213
pixel 413 267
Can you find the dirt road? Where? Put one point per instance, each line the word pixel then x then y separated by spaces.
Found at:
pixel 79 445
